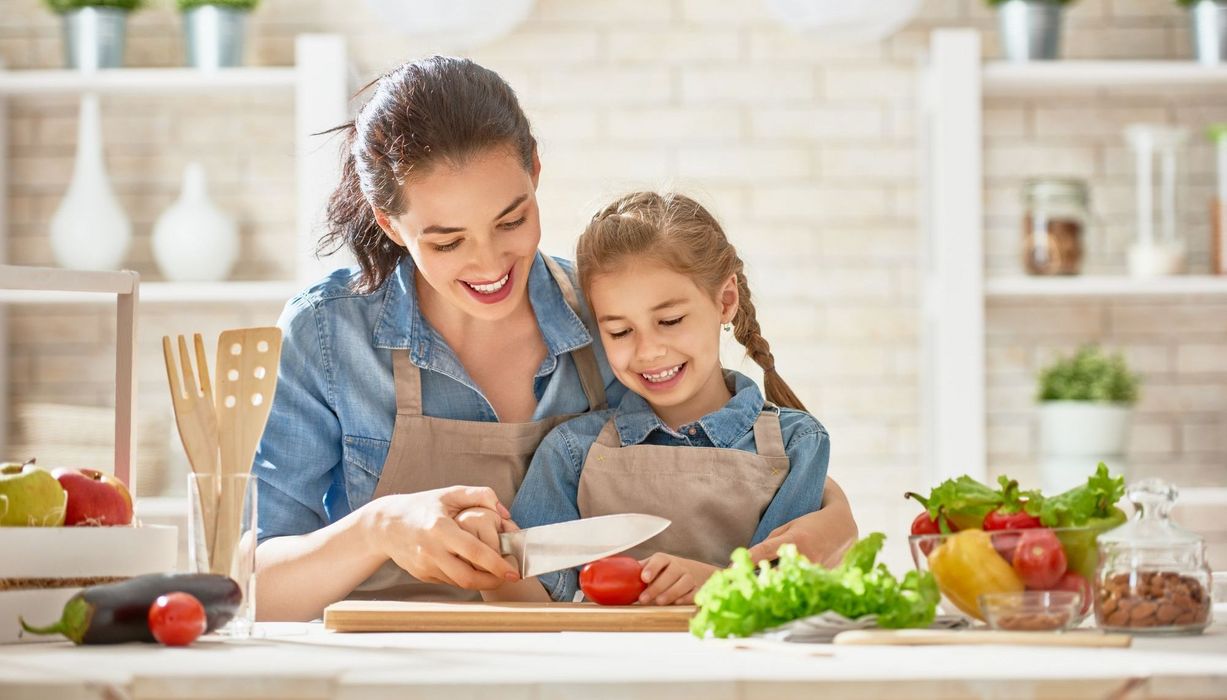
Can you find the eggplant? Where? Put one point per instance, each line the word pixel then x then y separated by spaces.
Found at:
pixel 116 613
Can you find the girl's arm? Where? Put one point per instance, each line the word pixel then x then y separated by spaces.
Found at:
pixel 822 536
pixel 818 522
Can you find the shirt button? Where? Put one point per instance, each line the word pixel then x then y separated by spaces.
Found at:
pixel 693 431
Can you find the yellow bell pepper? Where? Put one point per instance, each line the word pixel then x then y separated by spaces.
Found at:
pixel 966 566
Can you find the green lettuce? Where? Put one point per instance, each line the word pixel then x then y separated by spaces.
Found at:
pixel 744 599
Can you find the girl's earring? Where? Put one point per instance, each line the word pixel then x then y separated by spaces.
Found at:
pixel 728 328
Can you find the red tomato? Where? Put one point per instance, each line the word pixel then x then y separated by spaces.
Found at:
pixel 612 581
pixel 177 619
pixel 1039 559
pixel 996 520
pixel 1073 581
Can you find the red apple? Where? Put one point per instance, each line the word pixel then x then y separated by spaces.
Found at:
pixel 94 498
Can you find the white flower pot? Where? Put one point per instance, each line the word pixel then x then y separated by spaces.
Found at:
pixel 1075 436
pixel 193 240
pixel 89 230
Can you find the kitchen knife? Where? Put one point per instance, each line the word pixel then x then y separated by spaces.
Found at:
pixel 546 548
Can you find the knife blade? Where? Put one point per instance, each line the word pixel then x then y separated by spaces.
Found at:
pixel 546 548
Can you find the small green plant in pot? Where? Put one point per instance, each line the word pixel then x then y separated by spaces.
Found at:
pixel 1030 29
pixel 214 31
pixel 93 31
pixel 1085 408
pixel 1208 22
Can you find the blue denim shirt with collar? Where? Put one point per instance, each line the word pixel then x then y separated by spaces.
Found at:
pixel 550 490
pixel 331 421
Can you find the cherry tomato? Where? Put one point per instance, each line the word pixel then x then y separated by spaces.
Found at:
pixel 924 525
pixel 1073 581
pixel 612 581
pixel 177 619
pixel 1039 559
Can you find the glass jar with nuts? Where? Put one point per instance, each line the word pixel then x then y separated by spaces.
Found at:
pixel 1153 576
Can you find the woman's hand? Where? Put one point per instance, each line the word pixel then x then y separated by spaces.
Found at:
pixel 672 580
pixel 822 536
pixel 420 532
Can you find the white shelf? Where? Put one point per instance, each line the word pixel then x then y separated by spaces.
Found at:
pixel 20 279
pixel 1002 79
pixel 1020 287
pixel 144 80
pixel 166 293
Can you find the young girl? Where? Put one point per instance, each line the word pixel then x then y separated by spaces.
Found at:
pixel 694 443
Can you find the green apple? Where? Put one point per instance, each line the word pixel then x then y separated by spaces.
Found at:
pixel 30 496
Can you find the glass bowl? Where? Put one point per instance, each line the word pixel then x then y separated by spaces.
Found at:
pixel 1032 611
pixel 972 563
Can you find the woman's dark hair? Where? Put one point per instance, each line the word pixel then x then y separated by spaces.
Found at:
pixel 438 109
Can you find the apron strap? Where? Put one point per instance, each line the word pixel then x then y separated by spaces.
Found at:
pixel 408 379
pixel 768 438
pixel 584 358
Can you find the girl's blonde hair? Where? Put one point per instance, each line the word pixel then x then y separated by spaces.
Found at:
pixel 677 232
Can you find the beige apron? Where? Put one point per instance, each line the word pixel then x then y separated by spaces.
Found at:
pixel 429 453
pixel 714 496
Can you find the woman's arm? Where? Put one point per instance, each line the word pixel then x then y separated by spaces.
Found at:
pixel 299 575
pixel 822 536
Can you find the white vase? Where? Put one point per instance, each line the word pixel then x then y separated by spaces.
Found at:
pixel 89 230
pixel 1075 436
pixel 193 240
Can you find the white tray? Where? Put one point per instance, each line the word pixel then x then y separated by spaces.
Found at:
pixel 70 552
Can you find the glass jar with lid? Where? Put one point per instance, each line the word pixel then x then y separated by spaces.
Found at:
pixel 1153 576
pixel 1055 222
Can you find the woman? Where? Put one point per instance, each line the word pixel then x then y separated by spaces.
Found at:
pixel 419 385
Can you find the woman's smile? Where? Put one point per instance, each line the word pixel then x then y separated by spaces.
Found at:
pixel 491 292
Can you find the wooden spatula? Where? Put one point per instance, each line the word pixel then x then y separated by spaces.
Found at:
pixel 247 361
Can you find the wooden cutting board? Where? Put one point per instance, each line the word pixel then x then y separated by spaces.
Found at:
pixel 977 637
pixel 413 616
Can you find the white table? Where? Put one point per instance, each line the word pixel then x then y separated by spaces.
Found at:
pixel 305 661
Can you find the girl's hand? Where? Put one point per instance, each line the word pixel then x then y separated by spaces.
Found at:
pixel 672 580
pixel 420 532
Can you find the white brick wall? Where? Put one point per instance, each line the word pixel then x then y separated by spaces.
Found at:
pixel 806 149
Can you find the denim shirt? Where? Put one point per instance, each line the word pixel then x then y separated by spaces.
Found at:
pixel 331 421
pixel 550 490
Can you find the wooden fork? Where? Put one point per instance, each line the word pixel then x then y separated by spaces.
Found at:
pixel 197 423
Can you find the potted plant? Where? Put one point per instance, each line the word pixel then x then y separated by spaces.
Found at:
pixel 1030 29
pixel 1208 20
pixel 93 31
pixel 213 31
pixel 1085 407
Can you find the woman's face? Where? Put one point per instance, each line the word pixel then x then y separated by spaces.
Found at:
pixel 472 231
pixel 662 334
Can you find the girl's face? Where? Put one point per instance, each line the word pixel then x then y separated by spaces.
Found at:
pixel 662 337
pixel 472 231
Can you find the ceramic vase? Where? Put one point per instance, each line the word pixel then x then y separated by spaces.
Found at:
pixel 89 230
pixel 193 240
pixel 1076 435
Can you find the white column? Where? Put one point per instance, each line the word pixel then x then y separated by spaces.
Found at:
pixel 6 398
pixel 321 102
pixel 953 306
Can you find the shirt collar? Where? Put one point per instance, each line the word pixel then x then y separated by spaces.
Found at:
pixel 635 419
pixel 401 324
